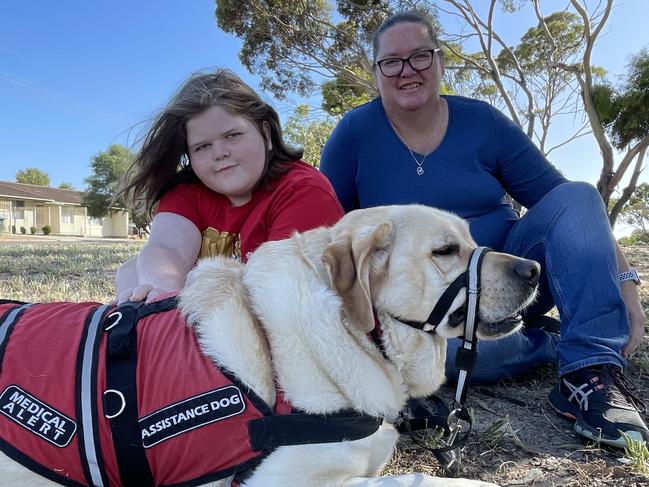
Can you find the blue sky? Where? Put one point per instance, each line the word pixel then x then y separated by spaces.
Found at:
pixel 77 76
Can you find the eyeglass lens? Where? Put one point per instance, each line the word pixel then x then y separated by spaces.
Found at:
pixel 418 61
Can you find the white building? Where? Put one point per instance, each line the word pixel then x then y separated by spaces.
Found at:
pixel 26 206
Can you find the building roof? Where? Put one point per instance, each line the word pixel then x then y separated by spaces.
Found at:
pixel 45 194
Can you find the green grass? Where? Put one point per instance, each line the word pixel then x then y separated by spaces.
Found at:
pixel 637 454
pixel 61 271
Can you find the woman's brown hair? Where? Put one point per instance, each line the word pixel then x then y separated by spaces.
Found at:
pixel 405 17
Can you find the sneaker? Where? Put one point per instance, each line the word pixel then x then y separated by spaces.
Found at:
pixel 602 404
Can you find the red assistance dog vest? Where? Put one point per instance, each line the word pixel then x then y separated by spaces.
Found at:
pixel 192 422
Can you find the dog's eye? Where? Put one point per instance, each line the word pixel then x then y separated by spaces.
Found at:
pixel 449 249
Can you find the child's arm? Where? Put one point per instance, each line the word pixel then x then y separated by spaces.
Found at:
pixel 164 261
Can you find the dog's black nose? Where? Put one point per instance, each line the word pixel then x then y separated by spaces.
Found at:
pixel 529 270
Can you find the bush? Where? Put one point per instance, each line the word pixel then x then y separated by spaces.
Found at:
pixel 46 229
pixel 32 230
pixel 23 230
pixel 638 237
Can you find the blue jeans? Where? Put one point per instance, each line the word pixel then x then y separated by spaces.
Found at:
pixel 568 233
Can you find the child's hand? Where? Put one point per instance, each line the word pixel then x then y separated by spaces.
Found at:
pixel 140 293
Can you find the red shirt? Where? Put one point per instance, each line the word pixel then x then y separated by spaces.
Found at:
pixel 300 199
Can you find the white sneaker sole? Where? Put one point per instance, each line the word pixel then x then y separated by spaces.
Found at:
pixel 618 443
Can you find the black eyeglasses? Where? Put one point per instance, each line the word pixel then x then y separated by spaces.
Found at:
pixel 419 61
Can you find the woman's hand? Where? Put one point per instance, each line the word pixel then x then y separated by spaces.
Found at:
pixel 636 316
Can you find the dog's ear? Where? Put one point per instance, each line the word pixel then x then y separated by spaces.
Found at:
pixel 348 262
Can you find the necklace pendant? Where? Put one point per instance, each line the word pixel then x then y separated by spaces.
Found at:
pixel 420 170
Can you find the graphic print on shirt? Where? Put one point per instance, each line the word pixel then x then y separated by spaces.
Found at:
pixel 220 243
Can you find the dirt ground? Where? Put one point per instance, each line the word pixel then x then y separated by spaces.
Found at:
pixel 518 438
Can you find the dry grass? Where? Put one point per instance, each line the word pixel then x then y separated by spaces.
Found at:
pixel 512 444
pixel 61 271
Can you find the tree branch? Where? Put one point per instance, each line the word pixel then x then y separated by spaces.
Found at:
pixel 629 190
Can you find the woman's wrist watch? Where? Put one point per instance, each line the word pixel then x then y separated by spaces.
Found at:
pixel 630 275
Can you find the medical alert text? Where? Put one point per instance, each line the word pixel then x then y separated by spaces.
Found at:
pixel 36 416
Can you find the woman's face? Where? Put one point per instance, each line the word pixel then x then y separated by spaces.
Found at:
pixel 411 89
pixel 227 153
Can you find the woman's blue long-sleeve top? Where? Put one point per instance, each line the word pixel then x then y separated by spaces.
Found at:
pixel 482 156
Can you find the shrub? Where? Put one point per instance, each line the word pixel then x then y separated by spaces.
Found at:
pixel 636 238
pixel 23 230
pixel 32 230
pixel 46 229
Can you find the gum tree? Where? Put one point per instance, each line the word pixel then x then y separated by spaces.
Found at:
pixel 301 46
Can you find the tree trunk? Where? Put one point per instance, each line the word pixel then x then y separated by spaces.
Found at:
pixel 628 191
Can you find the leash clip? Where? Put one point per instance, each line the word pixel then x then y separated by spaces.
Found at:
pixel 454 426
pixel 454 464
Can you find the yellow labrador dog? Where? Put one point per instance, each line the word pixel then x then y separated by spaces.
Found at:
pixel 297 317
pixel 292 324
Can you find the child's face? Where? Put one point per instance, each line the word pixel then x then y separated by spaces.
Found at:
pixel 227 153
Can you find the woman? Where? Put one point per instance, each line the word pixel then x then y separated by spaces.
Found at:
pixel 221 180
pixel 412 145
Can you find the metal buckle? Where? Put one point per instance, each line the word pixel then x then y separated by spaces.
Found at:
pixel 454 426
pixel 118 315
pixel 121 397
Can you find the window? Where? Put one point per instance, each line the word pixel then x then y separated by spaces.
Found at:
pixel 67 215
pixel 19 210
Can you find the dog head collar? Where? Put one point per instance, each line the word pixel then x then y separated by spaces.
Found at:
pixel 466 354
pixel 470 281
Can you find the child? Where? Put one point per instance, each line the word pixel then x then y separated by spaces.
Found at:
pixel 220 180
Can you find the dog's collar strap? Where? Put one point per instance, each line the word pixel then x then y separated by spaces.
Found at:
pixel 465 362
pixel 465 359
pixel 442 306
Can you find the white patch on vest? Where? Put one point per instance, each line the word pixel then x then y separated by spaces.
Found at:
pixel 191 413
pixel 36 416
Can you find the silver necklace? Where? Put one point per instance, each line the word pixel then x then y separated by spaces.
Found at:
pixel 420 169
pixel 420 164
